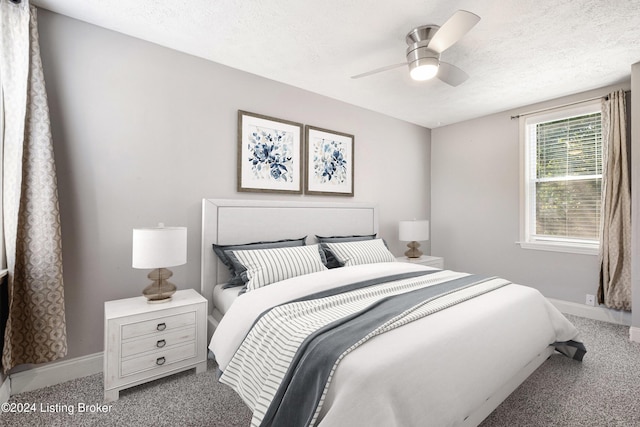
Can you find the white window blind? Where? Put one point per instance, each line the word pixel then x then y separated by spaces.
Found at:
pixel 563 177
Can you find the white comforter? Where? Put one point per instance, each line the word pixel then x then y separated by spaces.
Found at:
pixel 433 372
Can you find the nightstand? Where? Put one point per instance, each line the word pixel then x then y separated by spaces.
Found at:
pixel 144 342
pixel 430 261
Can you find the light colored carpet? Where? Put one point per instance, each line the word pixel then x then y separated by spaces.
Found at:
pixel 604 390
pixel 183 399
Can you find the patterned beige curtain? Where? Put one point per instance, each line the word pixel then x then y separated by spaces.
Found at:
pixel 615 247
pixel 36 330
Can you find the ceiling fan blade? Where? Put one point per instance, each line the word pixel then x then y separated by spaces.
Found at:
pixel 451 75
pixel 451 31
pixel 378 70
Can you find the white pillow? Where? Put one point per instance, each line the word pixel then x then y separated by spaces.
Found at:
pixel 361 252
pixel 266 266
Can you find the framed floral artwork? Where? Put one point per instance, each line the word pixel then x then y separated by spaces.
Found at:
pixel 329 162
pixel 269 154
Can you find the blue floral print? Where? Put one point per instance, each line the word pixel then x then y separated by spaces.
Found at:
pixel 329 162
pixel 270 154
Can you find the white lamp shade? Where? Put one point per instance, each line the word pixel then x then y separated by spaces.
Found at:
pixel 416 230
pixel 159 247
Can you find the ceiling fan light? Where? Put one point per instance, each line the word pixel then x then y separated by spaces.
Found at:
pixel 423 69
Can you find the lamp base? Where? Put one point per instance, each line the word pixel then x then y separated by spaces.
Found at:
pixel 161 289
pixel 413 251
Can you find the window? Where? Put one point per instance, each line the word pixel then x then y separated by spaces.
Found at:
pixel 562 179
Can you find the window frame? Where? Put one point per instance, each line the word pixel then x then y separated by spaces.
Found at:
pixel 527 211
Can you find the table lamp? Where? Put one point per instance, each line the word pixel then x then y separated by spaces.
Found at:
pixel 412 232
pixel 158 248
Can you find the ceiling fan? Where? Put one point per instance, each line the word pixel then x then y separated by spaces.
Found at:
pixel 427 42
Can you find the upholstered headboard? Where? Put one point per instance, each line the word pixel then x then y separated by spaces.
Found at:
pixel 243 221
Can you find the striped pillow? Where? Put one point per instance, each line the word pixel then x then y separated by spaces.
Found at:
pixel 332 262
pixel 266 266
pixel 362 252
pixel 235 278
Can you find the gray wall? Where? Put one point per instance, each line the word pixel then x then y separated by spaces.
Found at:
pixel 143 133
pixel 475 196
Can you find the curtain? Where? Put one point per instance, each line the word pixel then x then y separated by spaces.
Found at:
pixel 36 329
pixel 614 289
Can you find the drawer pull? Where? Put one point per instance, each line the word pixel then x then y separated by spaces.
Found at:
pixel 160 361
pixel 161 326
pixel 161 343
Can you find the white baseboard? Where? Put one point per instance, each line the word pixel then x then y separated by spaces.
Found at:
pixel 55 373
pixel 596 313
pixel 599 313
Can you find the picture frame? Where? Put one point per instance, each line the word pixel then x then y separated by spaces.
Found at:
pixel 269 154
pixel 329 162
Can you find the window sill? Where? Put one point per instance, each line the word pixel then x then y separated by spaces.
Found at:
pixel 560 247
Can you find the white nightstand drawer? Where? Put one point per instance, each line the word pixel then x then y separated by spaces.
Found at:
pixel 159 341
pixel 158 325
pixel 144 342
pixel 157 359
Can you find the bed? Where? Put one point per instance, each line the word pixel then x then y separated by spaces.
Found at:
pixel 451 365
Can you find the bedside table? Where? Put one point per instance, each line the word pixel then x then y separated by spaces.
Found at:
pixel 430 261
pixel 144 342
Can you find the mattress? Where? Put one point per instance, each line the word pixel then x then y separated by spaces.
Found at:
pixel 223 298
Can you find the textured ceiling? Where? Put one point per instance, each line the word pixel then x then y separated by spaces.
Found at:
pixel 521 52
